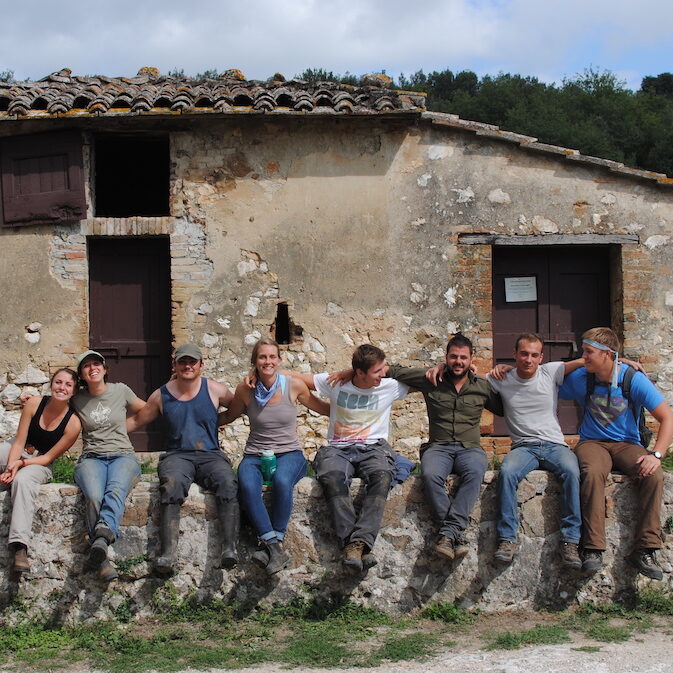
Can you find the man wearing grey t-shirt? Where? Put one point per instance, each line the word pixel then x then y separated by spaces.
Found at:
pixel 529 394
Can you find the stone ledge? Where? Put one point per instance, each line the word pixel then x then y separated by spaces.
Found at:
pixel 408 576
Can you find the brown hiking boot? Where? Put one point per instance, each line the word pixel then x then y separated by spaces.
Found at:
pixel 21 564
pixel 368 559
pixel 353 555
pixel 505 552
pixel 460 547
pixel 570 555
pixel 446 547
pixel 107 572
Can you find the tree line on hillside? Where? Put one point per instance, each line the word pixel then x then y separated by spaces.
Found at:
pixel 593 112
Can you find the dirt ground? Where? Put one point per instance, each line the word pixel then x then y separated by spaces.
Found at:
pixel 650 653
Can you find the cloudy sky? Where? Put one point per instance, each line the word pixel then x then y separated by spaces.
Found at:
pixel 550 40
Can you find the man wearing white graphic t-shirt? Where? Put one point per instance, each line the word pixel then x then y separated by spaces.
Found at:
pixel 358 446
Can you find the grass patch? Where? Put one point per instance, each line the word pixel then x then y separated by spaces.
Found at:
pixel 538 635
pixel 587 648
pixel 655 601
pixel 607 633
pixel 147 467
pixel 449 613
pixel 64 470
pixel 667 462
pixel 412 646
pixel 125 566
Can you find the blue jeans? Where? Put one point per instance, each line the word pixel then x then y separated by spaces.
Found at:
pixel 557 459
pixel 290 468
pixel 105 481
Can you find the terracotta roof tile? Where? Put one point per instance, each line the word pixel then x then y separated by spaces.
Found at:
pixel 61 92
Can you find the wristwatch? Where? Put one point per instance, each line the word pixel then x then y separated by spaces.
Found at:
pixel 656 454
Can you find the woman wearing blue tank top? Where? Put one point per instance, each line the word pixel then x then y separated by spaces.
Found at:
pixel 271 409
pixel 47 429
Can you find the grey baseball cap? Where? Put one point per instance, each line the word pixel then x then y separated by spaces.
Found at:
pixel 188 351
pixel 87 354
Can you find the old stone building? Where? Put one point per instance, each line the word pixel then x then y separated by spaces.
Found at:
pixel 137 213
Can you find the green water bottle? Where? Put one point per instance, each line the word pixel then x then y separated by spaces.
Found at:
pixel 268 466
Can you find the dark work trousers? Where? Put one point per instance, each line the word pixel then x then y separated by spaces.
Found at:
pixel 438 461
pixel 211 470
pixel 335 466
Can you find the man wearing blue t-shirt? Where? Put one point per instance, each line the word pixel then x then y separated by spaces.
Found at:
pixel 609 437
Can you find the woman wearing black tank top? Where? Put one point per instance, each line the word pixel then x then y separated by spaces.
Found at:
pixel 47 429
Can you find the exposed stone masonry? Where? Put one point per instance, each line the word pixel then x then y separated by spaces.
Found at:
pixel 408 576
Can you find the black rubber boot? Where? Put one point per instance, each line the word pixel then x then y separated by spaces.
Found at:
pixel 229 519
pixel 169 530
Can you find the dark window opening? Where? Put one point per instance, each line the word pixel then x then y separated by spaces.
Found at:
pixel 284 330
pixel 39 104
pixel 242 100
pixel 204 102
pixel 4 104
pixel 323 101
pixel 162 102
pixel 121 103
pixel 132 176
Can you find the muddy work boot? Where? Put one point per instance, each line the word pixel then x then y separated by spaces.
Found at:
pixel 229 520
pixel 103 538
pixel 20 563
pixel 279 559
pixel 368 559
pixel 353 556
pixel 445 547
pixel 460 547
pixel 505 552
pixel 592 561
pixel 570 555
pixel 646 563
pixel 107 572
pixel 169 531
pixel 261 557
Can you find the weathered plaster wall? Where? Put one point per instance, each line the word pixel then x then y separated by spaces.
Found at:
pixel 354 224
pixel 408 575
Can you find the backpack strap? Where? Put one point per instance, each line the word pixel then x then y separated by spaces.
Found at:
pixel 591 385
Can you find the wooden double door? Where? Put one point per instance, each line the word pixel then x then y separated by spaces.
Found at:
pixel 558 292
pixel 129 315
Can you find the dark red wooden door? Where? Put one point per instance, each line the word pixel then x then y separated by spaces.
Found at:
pixel 571 289
pixel 129 312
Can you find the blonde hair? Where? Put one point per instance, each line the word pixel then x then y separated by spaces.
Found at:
pixel 604 336
pixel 264 341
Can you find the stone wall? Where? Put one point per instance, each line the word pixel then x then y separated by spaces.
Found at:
pixel 408 576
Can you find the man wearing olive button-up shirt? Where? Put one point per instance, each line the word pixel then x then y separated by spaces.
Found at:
pixel 454 409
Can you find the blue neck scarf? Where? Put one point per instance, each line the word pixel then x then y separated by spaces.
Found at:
pixel 264 394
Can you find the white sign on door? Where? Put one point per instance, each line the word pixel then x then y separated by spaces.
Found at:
pixel 520 289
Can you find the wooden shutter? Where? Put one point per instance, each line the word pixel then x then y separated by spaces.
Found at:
pixel 42 178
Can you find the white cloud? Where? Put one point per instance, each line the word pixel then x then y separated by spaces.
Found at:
pixel 548 40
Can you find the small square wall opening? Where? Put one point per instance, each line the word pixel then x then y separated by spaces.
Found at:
pixel 131 175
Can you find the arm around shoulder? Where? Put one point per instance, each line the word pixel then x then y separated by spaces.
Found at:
pixel 308 399
pixel 236 406
pixel 145 412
